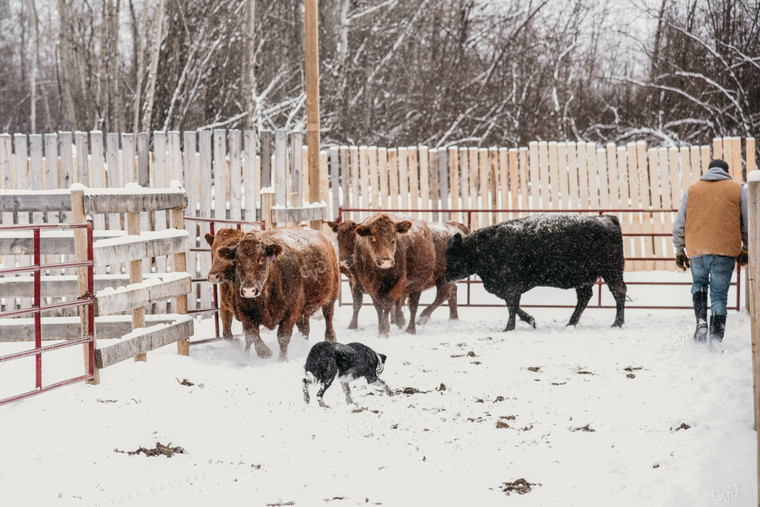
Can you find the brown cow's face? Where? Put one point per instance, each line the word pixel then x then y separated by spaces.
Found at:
pixel 254 261
pixel 346 231
pixel 222 266
pixel 381 236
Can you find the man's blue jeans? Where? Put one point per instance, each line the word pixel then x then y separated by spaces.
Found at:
pixel 713 271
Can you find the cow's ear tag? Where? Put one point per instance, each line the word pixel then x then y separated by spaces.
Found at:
pixel 271 258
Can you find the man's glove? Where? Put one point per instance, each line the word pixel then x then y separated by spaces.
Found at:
pixel 682 261
pixel 742 258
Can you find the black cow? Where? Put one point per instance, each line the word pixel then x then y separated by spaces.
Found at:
pixel 543 251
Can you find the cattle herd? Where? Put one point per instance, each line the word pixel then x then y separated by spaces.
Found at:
pixel 279 278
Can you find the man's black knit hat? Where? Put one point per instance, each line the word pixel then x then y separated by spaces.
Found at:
pixel 719 163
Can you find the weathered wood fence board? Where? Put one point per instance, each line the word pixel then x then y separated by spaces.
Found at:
pixel 223 172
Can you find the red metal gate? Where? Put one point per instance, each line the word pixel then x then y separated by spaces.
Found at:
pixel 469 281
pixel 88 299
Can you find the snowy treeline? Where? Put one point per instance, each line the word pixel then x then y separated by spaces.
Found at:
pixel 393 72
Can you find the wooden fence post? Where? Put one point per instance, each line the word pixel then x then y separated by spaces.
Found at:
pixel 281 167
pixel 752 295
pixel 180 265
pixel 80 245
pixel 335 179
pixel 267 203
pixel 135 276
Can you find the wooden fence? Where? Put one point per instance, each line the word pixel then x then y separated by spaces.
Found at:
pixel 225 171
pixel 120 298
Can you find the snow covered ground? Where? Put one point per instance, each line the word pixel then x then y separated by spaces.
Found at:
pixel 588 416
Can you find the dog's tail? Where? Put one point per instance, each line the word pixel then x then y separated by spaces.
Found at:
pixel 307 380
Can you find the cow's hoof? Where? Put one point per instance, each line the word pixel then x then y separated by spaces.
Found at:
pixel 283 357
pixel 423 320
pixel 263 351
pixel 617 324
pixel 353 325
pixel 383 335
pixel 410 331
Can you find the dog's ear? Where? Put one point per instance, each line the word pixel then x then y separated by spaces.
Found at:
pixel 383 357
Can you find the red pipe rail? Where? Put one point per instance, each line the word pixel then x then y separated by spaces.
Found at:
pixel 87 299
pixel 214 291
pixel 598 211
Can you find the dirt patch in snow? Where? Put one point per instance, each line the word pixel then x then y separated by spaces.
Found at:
pixel 520 486
pixel 410 390
pixel 159 450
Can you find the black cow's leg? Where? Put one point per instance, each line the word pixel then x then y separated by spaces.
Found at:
pixel 347 392
pixel 618 289
pixel 526 317
pixel 584 293
pixel 358 297
pixel 414 301
pixel 252 337
pixel 513 305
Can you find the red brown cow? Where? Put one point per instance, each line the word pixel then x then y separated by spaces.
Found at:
pixel 346 232
pixel 222 272
pixel 393 259
pixel 442 232
pixel 283 276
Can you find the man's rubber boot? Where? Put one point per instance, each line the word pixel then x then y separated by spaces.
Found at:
pixel 700 311
pixel 717 327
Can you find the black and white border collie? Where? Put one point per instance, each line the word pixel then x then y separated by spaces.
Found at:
pixel 330 360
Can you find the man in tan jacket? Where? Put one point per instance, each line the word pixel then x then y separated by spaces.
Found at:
pixel 711 226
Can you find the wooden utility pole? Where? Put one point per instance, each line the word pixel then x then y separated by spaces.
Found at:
pixel 753 291
pixel 312 98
